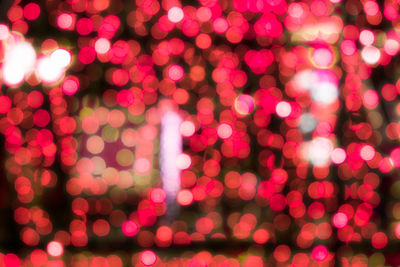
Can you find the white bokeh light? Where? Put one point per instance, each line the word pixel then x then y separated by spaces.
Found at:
pixel 322 85
pixel 19 61
pixel 48 70
pixel 324 92
pixel 4 32
pixel 61 57
pixel 371 54
pixel 175 14
pixel 319 151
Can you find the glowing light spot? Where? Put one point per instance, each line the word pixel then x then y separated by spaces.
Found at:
pixel 244 104
pixel 187 128
pixel 84 26
pixel 102 46
pixel 148 257
pixel 130 228
pixel 283 109
pixel 164 234
pixel 320 253
pixel 204 225
pixel 48 70
pixel 220 25
pixel 19 61
pixel 3 32
pixel 70 85
pixel 261 236
pixel 203 13
pixel 5 104
pixel 320 150
pixel 175 14
pixel 379 240
pixel 64 21
pixel 324 92
pixel 371 8
pixel 371 99
pixel 338 155
pixel 323 57
pixel 391 47
pixel 55 248
pixel 224 131
pixel 158 195
pixel 282 253
pixel 183 161
pixel 348 47
pixel 296 10
pixel 95 144
pixel 370 54
pixel 142 165
pixel 340 220
pixel 397 230
pixel 61 57
pixel 175 72
pixel 87 55
pixel 367 37
pixel 171 149
pixel 11 260
pixel 367 152
pixel 184 197
pixel 12 75
pixel 395 157
pixel 31 11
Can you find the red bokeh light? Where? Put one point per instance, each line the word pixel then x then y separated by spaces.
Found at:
pixel 31 11
pixel 340 220
pixel 320 253
pixel 130 228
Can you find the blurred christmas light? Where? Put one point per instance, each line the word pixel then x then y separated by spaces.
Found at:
pixel 171 149
pixel 19 61
pixel 55 249
pixel 269 94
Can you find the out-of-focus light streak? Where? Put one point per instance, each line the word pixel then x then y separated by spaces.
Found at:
pixel 170 151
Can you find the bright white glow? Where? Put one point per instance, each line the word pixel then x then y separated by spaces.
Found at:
pixel 48 70
pixel 61 58
pixel 12 74
pixel 183 161
pixel 170 151
pixel 319 151
pixel 370 54
pixel 283 109
pixel 324 92
pixel 322 85
pixel 187 128
pixel 338 155
pixel 175 14
pixel 102 46
pixel 19 61
pixel 303 80
pixel 307 123
pixel 55 249
pixel 3 32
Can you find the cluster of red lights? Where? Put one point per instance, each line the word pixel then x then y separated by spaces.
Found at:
pixel 287 142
